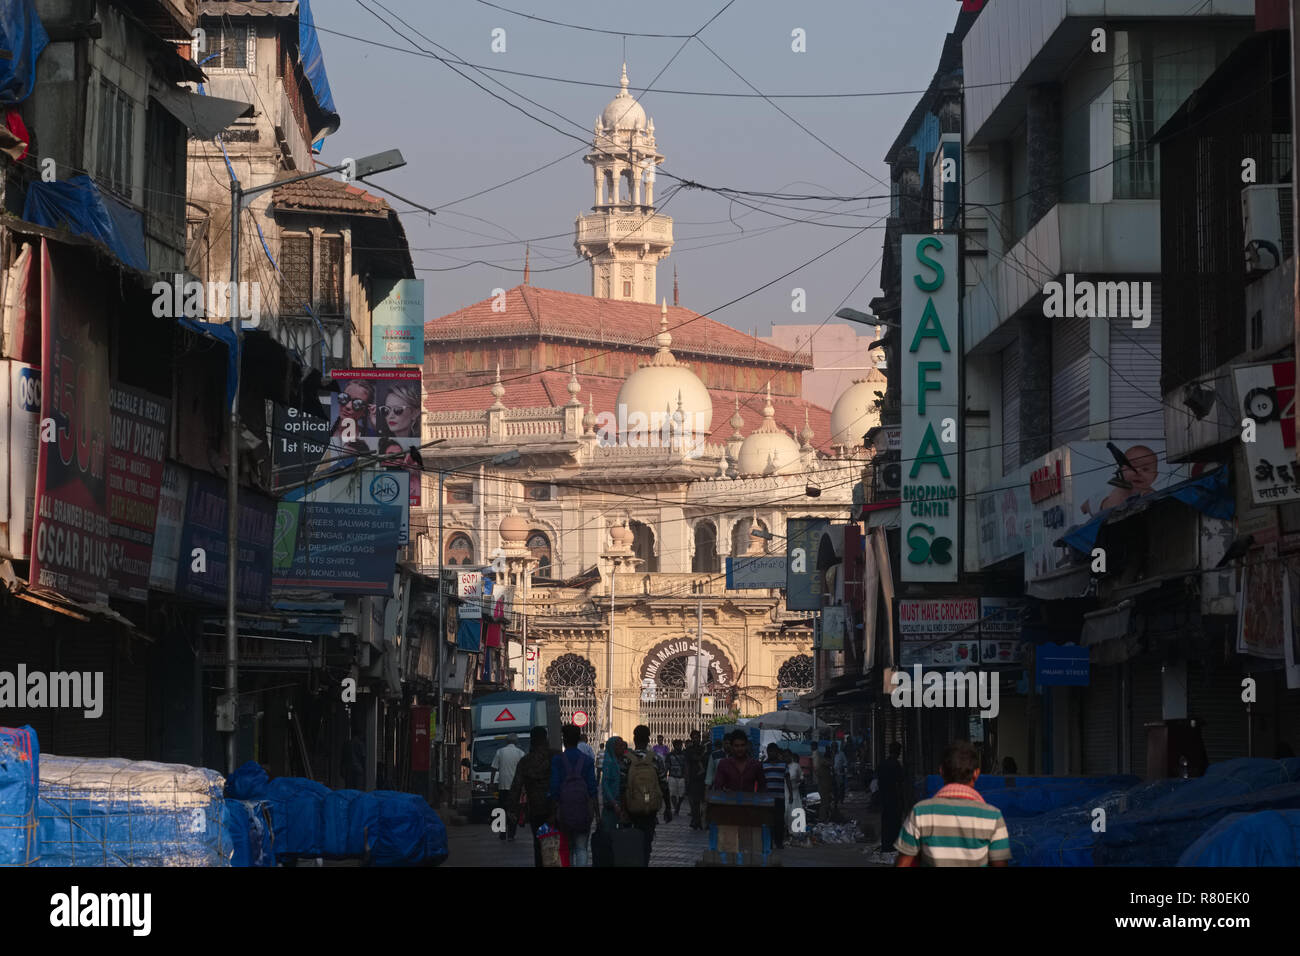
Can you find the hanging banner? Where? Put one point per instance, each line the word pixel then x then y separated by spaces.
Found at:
pixel 376 413
pixel 397 322
pixel 931 356
pixel 805 586
pixel 20 435
pixel 755 571
pixel 70 531
pixel 370 486
pixel 169 525
pixel 298 445
pixel 1260 610
pixel 336 547
pixel 140 424
pixel 203 560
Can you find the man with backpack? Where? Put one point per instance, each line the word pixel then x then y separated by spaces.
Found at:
pixel 677 776
pixel 573 792
pixel 645 788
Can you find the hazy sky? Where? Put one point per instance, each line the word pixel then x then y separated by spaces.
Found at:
pixel 458 139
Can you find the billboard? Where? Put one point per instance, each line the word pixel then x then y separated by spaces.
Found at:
pixel 369 486
pixel 206 508
pixel 957 632
pixel 298 443
pixel 140 423
pixel 931 358
pixel 20 392
pixel 70 534
pixel 335 547
pixel 173 494
pixel 376 412
pixel 805 585
pixel 1267 397
pixel 397 322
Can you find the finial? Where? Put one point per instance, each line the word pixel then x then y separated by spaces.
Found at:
pixel 807 433
pixel 665 338
pixel 674 282
pixel 589 419
pixel 623 81
pixel 498 390
pixel 737 421
pixel 573 387
pixel 526 251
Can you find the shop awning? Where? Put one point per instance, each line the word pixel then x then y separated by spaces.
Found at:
pixel 1208 494
pixel 203 116
pixel 1073 582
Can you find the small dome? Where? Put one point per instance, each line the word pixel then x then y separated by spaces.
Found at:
pixel 623 111
pixel 514 529
pixel 853 414
pixel 654 391
pixel 768 450
pixel 621 535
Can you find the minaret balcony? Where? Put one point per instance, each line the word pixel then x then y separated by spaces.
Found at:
pixel 625 224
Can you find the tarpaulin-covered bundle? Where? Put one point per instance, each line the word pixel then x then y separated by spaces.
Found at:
pixel 19 779
pixel 116 812
pixel 249 823
pixel 23 36
pixel 1032 796
pixel 81 207
pixel 1268 838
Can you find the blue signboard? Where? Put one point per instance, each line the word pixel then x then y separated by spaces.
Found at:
pixel 202 562
pixel 397 328
pixel 755 571
pixel 336 547
pixel 805 586
pixel 1061 665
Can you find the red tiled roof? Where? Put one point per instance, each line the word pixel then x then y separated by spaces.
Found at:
pixel 550 389
pixel 537 313
pixel 323 194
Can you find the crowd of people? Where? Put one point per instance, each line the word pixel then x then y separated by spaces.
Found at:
pixel 625 791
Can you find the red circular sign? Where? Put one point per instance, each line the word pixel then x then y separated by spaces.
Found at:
pixel 580 718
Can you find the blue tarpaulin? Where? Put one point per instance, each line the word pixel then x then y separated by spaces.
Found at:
pixel 222 333
pixel 22 35
pixel 313 65
pixel 19 779
pixel 1268 838
pixel 79 206
pixel 1208 494
pixel 468 635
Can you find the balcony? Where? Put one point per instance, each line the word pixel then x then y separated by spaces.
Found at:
pixel 624 226
pixel 1114 239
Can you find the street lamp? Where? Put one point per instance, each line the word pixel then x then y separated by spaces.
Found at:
pixel 504 458
pixel 863 318
pixel 239 196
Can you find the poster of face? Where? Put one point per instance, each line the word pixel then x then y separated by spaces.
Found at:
pixel 375 415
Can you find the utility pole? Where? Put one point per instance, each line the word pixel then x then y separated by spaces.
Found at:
pixel 231 699
pixel 699 650
pixel 441 751
pixel 609 656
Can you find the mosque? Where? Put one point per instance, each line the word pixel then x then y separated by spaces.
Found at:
pixel 652 441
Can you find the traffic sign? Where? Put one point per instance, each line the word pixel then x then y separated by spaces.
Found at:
pixel 580 718
pixel 505 715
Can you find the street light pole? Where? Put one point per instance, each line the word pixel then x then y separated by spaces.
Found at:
pixel 609 656
pixel 238 197
pixel 442 648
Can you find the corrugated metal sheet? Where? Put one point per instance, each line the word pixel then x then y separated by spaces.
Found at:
pixel 1214 701
pixel 1135 408
pixel 1070 365
pixel 1010 408
pixel 1144 708
pixel 1101 722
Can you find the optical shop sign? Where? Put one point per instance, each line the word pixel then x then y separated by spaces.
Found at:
pixel 930 461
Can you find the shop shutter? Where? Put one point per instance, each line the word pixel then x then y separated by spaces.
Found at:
pixel 33 647
pixel 1288 724
pixel 130 712
pixel 75 734
pixel 1070 366
pixel 1134 373
pixel 1144 708
pixel 1010 408
pixel 1214 701
pixel 1101 707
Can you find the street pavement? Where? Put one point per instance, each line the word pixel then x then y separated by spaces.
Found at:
pixel 675 845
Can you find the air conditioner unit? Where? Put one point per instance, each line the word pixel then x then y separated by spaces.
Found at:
pixel 1266 222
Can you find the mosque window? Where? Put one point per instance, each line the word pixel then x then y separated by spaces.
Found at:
pixel 460 550
pixel 643 546
pixel 460 494
pixel 706 548
pixel 627 290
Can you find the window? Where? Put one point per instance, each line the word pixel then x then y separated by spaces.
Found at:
pixel 627 290
pixel 295 263
pixel 507 358
pixel 444 362
pixel 796 674
pixel 539 546
pixel 706 548
pixel 460 550
pixel 539 492
pixel 331 275
pixel 460 494
pixel 227 47
pixel 116 135
pixel 164 177
pixel 643 546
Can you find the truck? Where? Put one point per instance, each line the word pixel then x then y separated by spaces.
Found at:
pixel 494 717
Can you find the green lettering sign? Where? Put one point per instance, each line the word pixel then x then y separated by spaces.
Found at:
pixel 929 242
pixel 930 453
pixel 930 328
pixel 924 385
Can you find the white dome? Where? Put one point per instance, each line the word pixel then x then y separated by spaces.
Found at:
pixel 658 390
pixel 853 414
pixel 768 450
pixel 623 111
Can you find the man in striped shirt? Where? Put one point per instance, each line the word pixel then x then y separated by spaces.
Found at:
pixel 955 827
pixel 774 777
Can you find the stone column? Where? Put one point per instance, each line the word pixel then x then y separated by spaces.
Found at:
pixel 1034 340
pixel 1043 135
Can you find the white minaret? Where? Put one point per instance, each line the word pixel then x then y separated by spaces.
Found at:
pixel 623 236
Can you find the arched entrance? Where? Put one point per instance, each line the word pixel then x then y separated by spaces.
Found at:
pixel 683 686
pixel 572 678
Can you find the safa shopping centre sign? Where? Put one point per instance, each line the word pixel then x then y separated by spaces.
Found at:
pixel 930 413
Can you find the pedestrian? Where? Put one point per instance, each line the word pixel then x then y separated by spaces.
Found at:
pixel 676 761
pixel 504 762
pixel 1009 766
pixel 645 788
pixel 586 747
pixel 891 785
pixel 532 783
pixel 600 764
pixel 739 773
pixel 824 775
pixel 774 779
pixel 955 827
pixel 611 783
pixel 573 792
pixel 840 762
pixel 660 749
pixel 793 778
pixel 696 771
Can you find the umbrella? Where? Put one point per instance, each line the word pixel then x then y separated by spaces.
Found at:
pixel 790 721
